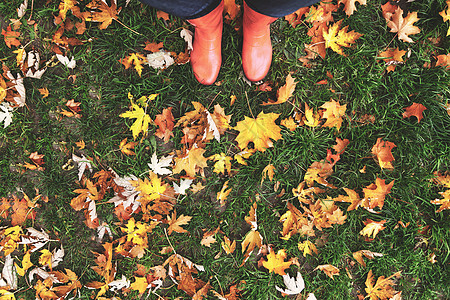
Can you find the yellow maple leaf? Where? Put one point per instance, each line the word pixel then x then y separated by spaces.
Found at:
pixel 329 270
pixel 252 239
pixel 383 287
pixel 333 113
pixel 336 38
pixel 228 246
pixel 223 194
pixel 26 264
pixel 268 171
pixel 11 239
pixel 223 163
pixel 190 161
pixel 140 284
pixel 307 247
pixel 65 6
pixel 142 120
pixel 46 258
pixel 135 59
pixel 276 263
pixel 445 14
pixel 150 190
pixel 284 92
pixel 372 228
pixel 444 202
pixel 175 224
pixel 310 119
pixel 403 26
pixel 289 123
pixel 260 131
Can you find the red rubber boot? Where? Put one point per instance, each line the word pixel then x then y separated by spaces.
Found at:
pixel 206 57
pixel 257 47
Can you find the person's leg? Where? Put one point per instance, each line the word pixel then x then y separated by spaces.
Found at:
pixel 257 46
pixel 184 9
pixel 206 16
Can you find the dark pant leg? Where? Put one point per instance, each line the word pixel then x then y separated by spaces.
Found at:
pixel 278 8
pixel 186 9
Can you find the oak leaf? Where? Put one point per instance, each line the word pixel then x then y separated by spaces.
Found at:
pixel 329 270
pixel 175 224
pixel 275 262
pixel 336 38
pixel 382 150
pixel 416 110
pixel 190 161
pixel 260 131
pixel 372 228
pixel 383 287
pixel 403 26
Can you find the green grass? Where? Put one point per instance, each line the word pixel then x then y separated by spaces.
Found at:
pixel 359 80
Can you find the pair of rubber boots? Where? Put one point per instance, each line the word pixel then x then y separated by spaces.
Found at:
pixel 206 56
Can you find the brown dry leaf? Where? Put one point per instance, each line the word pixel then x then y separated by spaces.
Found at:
pixel 336 38
pixel 372 228
pixel 341 145
pixel 208 237
pixel 268 172
pixel 190 161
pixel 296 17
pixel 329 270
pixel 284 92
pixel 275 262
pixel 125 147
pixel 350 5
pixel 375 193
pixel 165 123
pixel 162 15
pixel 382 151
pixel 392 58
pixel 383 287
pixel 260 131
pixel 230 10
pixel 153 47
pixel 403 26
pixel 37 158
pixel 202 293
pixel 175 224
pixel 197 187
pixel 416 109
pixel 358 256
pixel 103 13
pixel 22 209
pixel 443 61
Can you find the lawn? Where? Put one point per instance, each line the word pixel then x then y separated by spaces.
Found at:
pixel 120 179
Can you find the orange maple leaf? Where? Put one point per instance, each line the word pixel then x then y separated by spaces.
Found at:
pixel 372 228
pixel 333 113
pixel 383 287
pixel 329 270
pixel 350 5
pixel 275 262
pixel 296 17
pixel 190 161
pixel 135 59
pixel 230 10
pixel 336 38
pixel 358 255
pixel 375 193
pixel 416 110
pixel 443 61
pixel 10 37
pixel 103 13
pixel 392 58
pixel 260 131
pixel 21 211
pixel 382 150
pixel 65 6
pixel 165 122
pixel 284 92
pixel 125 147
pixel 153 47
pixel 403 26
pixel 175 224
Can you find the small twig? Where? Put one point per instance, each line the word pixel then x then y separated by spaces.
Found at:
pixel 134 31
pixel 32 5
pixel 167 237
pixel 213 99
pixel 246 97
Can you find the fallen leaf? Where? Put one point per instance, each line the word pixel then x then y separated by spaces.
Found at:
pixel 10 37
pixel 403 26
pixel 284 92
pixel 307 247
pixel 165 123
pixel 350 5
pixel 223 194
pixel 190 161
pixel 392 58
pixel 260 131
pixel 445 14
pixel 275 262
pixel 228 246
pixel 294 285
pixel 142 120
pixel 125 147
pixel 175 224
pixel 135 59
pixel 336 38
pixel 383 287
pixel 358 255
pixel 103 13
pixel 329 270
pixel 375 193
pixel 382 151
pixel 416 110
pixel 372 228
pixel 333 113
pixel 153 47
pixel 443 61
